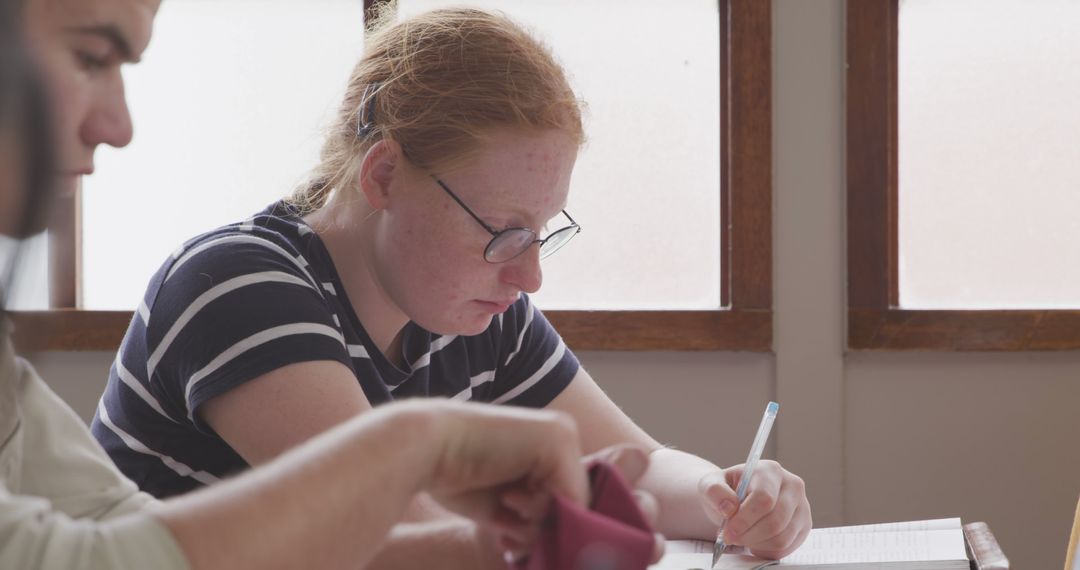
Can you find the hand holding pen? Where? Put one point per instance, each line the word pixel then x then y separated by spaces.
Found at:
pixel 771 516
pixel 748 472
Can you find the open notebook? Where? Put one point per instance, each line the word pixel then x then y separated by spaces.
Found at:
pixel 917 545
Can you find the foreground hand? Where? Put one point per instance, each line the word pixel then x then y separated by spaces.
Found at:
pixel 630 461
pixel 488 451
pixel 772 521
pixel 501 466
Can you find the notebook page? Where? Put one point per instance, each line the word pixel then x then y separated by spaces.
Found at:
pixel 934 524
pixel 884 546
pixel 688 547
pixel 690 554
pixel 838 545
pixel 684 554
pixel 695 561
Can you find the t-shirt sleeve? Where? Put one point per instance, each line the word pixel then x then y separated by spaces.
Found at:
pixel 535 365
pixel 232 309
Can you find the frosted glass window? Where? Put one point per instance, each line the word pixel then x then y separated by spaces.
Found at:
pixel 646 188
pixel 989 154
pixel 29 286
pixel 229 123
pixel 229 107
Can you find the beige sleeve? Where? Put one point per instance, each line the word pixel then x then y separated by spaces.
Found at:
pixel 63 504
pixel 62 462
pixel 35 536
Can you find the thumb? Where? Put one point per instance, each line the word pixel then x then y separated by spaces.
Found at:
pixel 719 499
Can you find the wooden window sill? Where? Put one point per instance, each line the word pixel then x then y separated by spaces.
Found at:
pixel 734 330
pixel 955 331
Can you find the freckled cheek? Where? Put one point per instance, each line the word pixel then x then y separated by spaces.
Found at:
pixel 437 268
pixel 455 295
pixel 454 282
pixel 445 261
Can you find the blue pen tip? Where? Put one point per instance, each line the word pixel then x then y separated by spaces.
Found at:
pixel 772 408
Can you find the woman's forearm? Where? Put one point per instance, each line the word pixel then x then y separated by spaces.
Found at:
pixel 673 478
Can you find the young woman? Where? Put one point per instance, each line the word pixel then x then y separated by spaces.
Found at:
pixel 326 504
pixel 402 269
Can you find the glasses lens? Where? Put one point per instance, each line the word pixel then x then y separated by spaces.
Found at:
pixel 508 244
pixel 557 240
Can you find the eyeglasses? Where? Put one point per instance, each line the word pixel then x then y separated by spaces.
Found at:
pixel 512 242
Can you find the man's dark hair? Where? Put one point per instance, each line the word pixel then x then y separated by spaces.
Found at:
pixel 24 114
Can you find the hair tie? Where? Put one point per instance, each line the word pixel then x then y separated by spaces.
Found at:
pixel 365 119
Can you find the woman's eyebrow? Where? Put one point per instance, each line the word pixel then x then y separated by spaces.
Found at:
pixel 111 33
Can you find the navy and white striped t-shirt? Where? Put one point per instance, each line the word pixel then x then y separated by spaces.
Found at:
pixel 248 298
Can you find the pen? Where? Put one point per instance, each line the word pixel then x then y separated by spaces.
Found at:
pixel 748 471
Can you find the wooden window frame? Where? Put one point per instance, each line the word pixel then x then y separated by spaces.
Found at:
pixel 745 324
pixel 875 320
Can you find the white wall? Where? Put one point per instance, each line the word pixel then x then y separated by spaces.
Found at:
pixel 877 436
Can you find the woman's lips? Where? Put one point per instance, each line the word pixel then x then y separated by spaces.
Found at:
pixel 495 307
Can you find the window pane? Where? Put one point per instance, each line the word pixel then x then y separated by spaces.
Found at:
pixel 228 107
pixel 228 125
pixel 989 154
pixel 646 188
pixel 29 286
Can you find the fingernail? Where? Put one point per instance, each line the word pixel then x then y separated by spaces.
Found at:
pixel 727 507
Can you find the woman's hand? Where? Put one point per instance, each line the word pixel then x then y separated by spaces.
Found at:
pixel 773 520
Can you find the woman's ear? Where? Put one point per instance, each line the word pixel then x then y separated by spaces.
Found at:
pixel 377 170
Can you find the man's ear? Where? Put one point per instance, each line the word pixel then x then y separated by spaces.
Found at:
pixel 381 163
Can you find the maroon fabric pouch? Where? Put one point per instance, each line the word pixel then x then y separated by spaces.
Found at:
pixel 612 534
